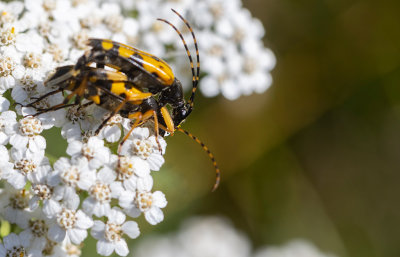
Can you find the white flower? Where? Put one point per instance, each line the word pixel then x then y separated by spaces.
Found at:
pixel 46 195
pixel 47 119
pixel 36 233
pixel 134 173
pixel 93 150
pixel 28 86
pixel 77 119
pixel 14 206
pixel 14 245
pixel 10 70
pixel 110 234
pixel 28 136
pixel 144 201
pixel 141 144
pixel 7 36
pixel 27 167
pixel 49 197
pixel 74 173
pixel 58 51
pixel 101 192
pixel 71 223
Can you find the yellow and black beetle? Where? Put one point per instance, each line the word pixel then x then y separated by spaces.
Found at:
pixel 140 87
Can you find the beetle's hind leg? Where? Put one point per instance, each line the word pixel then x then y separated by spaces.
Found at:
pixel 53 108
pixel 38 99
pixel 116 110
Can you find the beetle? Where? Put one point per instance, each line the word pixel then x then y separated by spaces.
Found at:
pixel 140 87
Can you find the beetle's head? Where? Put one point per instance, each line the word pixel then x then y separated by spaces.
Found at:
pixel 180 113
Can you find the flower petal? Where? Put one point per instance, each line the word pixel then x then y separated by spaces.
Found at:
pixel 121 248
pixel 131 228
pixel 77 235
pixel 56 233
pixel 19 141
pixel 159 199
pixel 97 231
pixel 74 148
pixel 154 215
pixel 104 247
pixel 51 208
pixel 37 144
pixel 155 161
pixel 11 240
pixel 83 221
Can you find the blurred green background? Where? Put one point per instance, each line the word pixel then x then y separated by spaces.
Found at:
pixel 317 155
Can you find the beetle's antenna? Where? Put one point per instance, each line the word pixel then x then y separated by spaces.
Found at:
pixel 205 148
pixel 196 82
pixel 194 77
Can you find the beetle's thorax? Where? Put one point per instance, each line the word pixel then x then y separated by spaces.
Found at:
pixel 172 95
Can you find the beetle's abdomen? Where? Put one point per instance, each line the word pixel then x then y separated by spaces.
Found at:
pixel 133 62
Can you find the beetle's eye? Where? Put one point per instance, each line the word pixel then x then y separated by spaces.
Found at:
pixel 183 112
pixel 180 114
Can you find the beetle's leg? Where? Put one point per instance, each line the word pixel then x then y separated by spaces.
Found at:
pixel 53 108
pixel 132 98
pixel 138 116
pixel 156 131
pixel 139 119
pixel 85 105
pixel 103 123
pixel 44 96
pixel 110 116
pixel 78 91
pixel 167 120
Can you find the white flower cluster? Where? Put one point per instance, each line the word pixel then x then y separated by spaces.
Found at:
pixel 216 237
pixel 234 59
pixel 92 190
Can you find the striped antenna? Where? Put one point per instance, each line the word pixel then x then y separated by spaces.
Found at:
pixel 195 83
pixel 196 77
pixel 186 47
pixel 205 148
